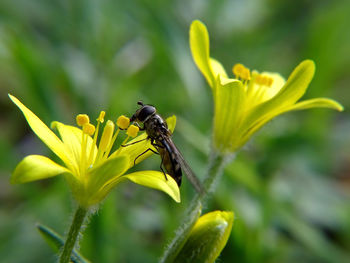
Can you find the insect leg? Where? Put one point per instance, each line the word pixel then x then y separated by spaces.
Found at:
pixel 161 168
pixel 149 149
pixel 124 145
pixel 153 142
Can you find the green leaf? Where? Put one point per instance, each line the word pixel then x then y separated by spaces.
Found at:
pixel 207 238
pixel 55 241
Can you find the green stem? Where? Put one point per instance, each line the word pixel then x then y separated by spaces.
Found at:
pixel 215 169
pixel 73 234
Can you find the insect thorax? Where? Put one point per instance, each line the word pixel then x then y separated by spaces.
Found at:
pixel 156 127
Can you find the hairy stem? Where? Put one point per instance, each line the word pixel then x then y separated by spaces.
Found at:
pixel 215 169
pixel 73 234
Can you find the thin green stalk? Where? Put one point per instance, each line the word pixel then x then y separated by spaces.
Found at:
pixel 215 169
pixel 73 234
pixel 217 164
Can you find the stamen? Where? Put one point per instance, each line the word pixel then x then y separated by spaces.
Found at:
pixel 263 80
pixel 270 82
pixel 99 120
pixel 112 143
pixel 88 128
pixel 132 131
pixel 106 136
pixel 245 74
pixel 82 119
pixel 237 70
pixel 123 122
pixel 101 117
pixel 259 79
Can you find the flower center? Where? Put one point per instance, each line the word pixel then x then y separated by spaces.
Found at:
pixel 243 73
pixel 109 135
pixel 258 86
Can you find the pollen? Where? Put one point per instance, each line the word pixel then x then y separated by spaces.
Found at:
pixel 123 122
pixel 132 131
pixel 241 72
pixel 88 128
pixel 237 69
pixel 82 119
pixel 263 80
pixel 101 117
pixel 270 82
pixel 106 136
pixel 245 74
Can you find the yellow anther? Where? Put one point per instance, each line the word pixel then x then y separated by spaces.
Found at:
pixel 82 119
pixel 270 82
pixel 132 131
pixel 123 122
pixel 237 69
pixel 259 79
pixel 106 136
pixel 88 128
pixel 245 74
pixel 263 80
pixel 101 117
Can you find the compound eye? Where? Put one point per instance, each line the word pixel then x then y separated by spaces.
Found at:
pixel 145 112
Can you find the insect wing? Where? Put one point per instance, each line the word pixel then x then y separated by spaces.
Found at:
pixel 185 167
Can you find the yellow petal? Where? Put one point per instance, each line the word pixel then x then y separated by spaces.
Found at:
pixel 136 149
pixel 316 103
pixel 303 105
pixel 106 171
pixel 43 132
pixel 156 180
pixel 294 88
pixel 230 100
pixel 217 68
pixel 296 84
pixel 171 122
pixel 36 167
pixel 199 43
pixel 71 137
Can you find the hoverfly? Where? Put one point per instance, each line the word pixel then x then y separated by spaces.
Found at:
pixel 160 137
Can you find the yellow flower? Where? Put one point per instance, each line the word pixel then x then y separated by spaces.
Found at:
pixel 242 105
pixel 91 170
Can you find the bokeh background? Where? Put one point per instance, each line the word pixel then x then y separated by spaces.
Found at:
pixel 289 187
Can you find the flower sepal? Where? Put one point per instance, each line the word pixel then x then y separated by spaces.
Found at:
pixel 207 238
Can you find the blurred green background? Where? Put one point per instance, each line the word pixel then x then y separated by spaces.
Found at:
pixel 289 187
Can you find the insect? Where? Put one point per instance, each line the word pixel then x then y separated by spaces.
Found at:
pixel 160 137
